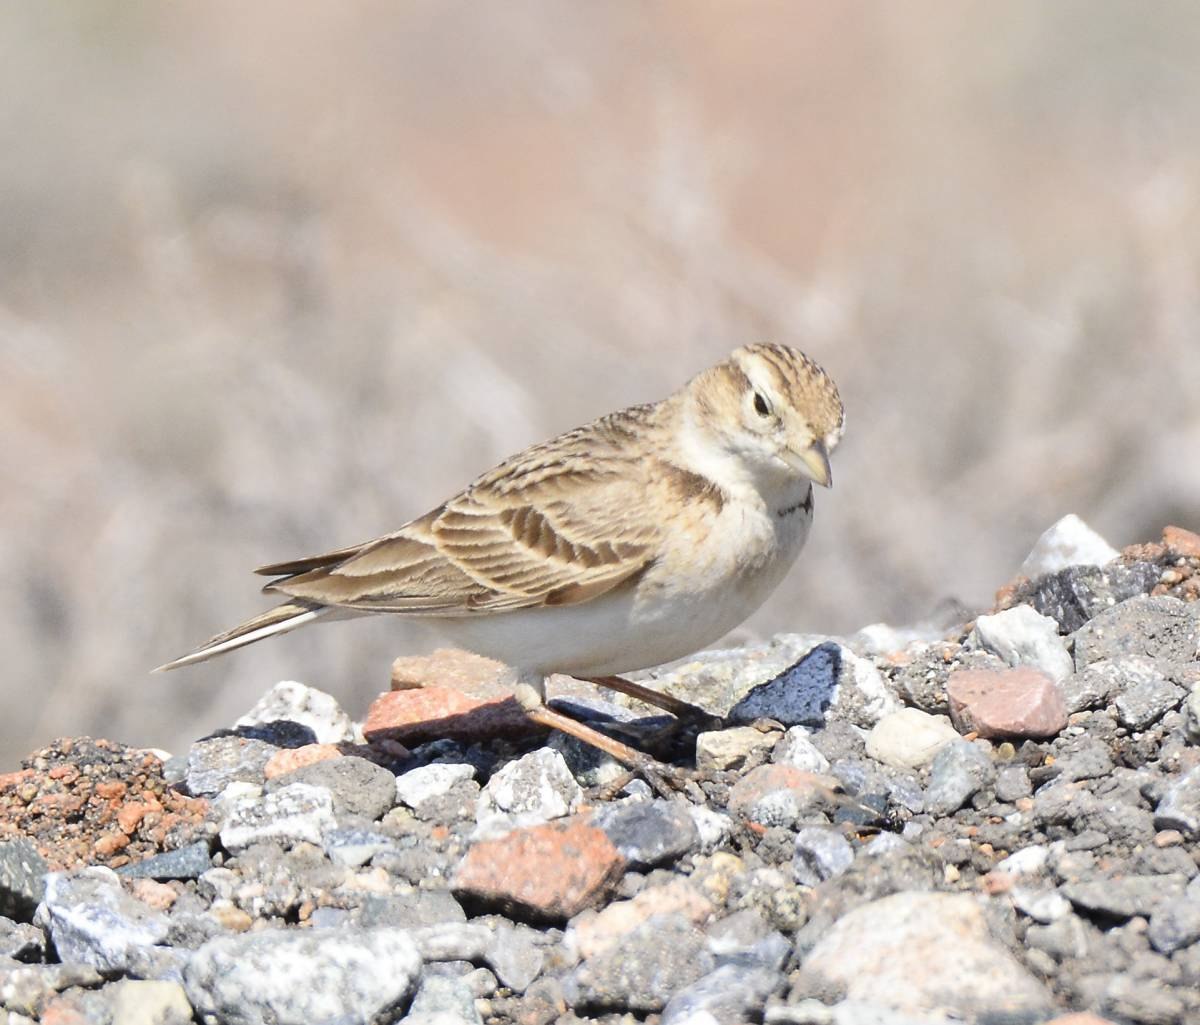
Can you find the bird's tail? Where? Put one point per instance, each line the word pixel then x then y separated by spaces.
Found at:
pixel 278 620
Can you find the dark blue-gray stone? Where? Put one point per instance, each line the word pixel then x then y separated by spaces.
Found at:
pixel 188 862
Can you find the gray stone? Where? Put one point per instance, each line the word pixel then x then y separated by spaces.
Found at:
pixel 959 771
pixel 909 738
pixel 535 788
pixel 829 679
pixel 415 787
pixel 1191 713
pixel 1069 542
pixel 1041 905
pixel 648 833
pixel 797 750
pixel 727 996
pixel 1074 595
pixel 148 1002
pixel 912 951
pixel 1174 925
pixel 215 763
pixel 298 703
pixel 290 977
pixel 190 862
pixel 292 813
pixel 93 921
pixel 21 941
pixel 657 959
pixel 1022 637
pixel 411 910
pixel 1125 896
pixel 1161 628
pixel 590 766
pixel 516 955
pixel 712 827
pixel 358 787
pixel 442 1001
pixel 1091 686
pixel 1180 806
pixel 1012 783
pixel 22 879
pixel 1145 696
pixel 820 854
pixel 1081 757
pixel 1067 937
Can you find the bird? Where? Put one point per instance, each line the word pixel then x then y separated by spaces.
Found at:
pixel 634 540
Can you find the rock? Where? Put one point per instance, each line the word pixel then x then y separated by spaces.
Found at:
pixel 545 873
pixel 1174 925
pixel 829 677
pixel 215 763
pixel 657 959
pixel 27 989
pixel 1043 906
pixel 1125 896
pixel 959 771
pixel 434 713
pixel 1022 637
pixel 648 833
pixel 441 1000
pixel 353 848
pixel 93 921
pixel 1180 806
pixel 293 758
pixel 909 738
pixel 290 701
pixel 516 955
pixel 533 789
pixel 1160 628
pixel 350 976
pixel 820 854
pixel 1012 783
pixel 358 787
pixel 1082 757
pixel 594 932
pixel 720 750
pixel 797 750
pixel 1074 595
pixel 1018 702
pixel 147 1002
pixel 190 862
pixel 912 951
pixel 1183 544
pixel 22 879
pixel 291 813
pixel 712 827
pixel 1145 695
pixel 778 795
pixel 411 910
pixel 1191 714
pixel 729 995
pixel 21 941
pixel 428 782
pixel 1069 542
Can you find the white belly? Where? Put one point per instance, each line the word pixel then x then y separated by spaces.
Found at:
pixel 683 603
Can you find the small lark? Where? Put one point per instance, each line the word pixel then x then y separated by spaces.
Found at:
pixel 631 541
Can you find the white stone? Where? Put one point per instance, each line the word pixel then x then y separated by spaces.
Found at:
pixel 714 827
pixel 417 786
pixel 798 751
pixel 1027 861
pixel 535 788
pixel 1070 542
pixel 909 738
pixel 297 702
pixel 1043 906
pixel 298 811
pixel 912 951
pixel 1023 637
pixel 301 977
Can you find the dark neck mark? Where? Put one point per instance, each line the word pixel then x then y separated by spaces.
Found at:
pixel 805 505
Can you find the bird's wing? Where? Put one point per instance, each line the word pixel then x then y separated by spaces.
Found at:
pixel 559 524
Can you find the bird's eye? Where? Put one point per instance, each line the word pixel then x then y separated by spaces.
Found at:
pixel 761 406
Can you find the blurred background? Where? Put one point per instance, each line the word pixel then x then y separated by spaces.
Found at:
pixel 274 279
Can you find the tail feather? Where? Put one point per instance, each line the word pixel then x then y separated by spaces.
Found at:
pixel 278 620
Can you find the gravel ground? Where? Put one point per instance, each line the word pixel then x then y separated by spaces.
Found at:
pixel 993 821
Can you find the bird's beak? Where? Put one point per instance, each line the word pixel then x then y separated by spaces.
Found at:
pixel 813 462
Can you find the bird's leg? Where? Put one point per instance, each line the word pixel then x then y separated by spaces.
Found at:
pixel 666 779
pixel 691 714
